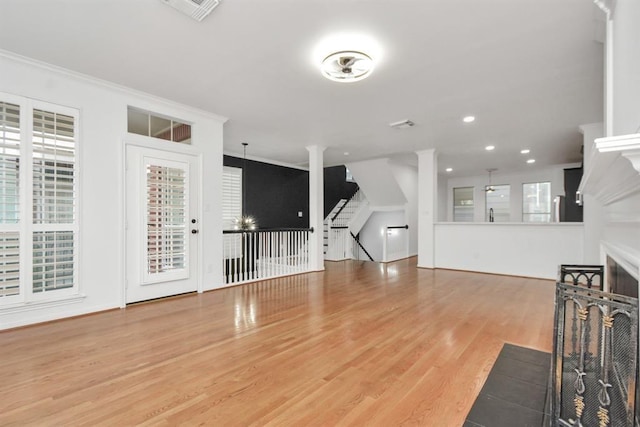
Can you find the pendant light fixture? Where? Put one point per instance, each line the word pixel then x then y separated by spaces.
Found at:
pixel 245 222
pixel 490 188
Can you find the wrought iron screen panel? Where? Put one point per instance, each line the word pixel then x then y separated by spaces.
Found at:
pixel 591 276
pixel 595 358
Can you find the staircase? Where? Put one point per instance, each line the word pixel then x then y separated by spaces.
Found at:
pixel 346 218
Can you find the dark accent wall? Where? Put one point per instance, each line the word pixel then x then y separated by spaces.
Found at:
pixel 336 187
pixel 572 210
pixel 274 194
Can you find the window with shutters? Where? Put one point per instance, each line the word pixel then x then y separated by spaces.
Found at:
pixel 231 196
pixel 231 210
pixel 38 200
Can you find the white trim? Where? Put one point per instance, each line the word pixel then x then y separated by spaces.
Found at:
pixel 108 85
pixel 42 304
pixel 142 141
pixel 628 258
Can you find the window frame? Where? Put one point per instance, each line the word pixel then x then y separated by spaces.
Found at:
pixel 550 204
pixel 472 206
pixel 26 225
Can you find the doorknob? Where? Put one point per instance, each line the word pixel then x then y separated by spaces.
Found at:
pixel 194 231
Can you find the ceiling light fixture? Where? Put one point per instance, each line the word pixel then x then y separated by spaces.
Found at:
pixel 468 119
pixel 525 151
pixel 347 66
pixel 402 124
pixel 449 169
pixel 490 188
pixel 490 147
pixel 531 161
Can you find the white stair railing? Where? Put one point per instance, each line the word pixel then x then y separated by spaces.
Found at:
pixel 263 254
pixel 339 245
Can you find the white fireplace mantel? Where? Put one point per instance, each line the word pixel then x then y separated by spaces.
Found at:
pixel 610 177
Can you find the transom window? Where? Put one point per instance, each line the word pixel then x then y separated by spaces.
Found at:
pixel 154 125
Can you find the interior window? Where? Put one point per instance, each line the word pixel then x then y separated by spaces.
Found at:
pixel 536 202
pixel 463 204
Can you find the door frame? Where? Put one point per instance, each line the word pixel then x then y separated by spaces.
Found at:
pixel 168 147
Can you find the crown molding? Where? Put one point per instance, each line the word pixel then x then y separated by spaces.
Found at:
pixel 609 177
pixel 627 145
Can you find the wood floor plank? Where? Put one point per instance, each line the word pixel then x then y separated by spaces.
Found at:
pixel 358 344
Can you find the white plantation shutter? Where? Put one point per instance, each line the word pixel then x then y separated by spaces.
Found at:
pixel 54 196
pixel 38 225
pixel 231 196
pixel 9 201
pixel 9 163
pixel 167 226
pixel 53 168
pixel 231 209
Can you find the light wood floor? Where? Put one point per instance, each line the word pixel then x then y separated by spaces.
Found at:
pixel 358 344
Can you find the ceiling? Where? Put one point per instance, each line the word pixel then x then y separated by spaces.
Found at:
pixel 530 71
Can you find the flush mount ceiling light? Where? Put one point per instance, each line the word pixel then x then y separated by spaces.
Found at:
pixel 468 119
pixel 490 147
pixel 347 66
pixel 525 151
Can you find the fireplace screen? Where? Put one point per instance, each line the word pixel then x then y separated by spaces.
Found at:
pixel 595 358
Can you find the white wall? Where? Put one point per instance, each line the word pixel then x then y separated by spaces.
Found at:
pixel 532 250
pixel 591 207
pixel 375 179
pixel 407 178
pixel 103 127
pixel 554 174
pixel 443 200
pixel 371 234
pixel 626 67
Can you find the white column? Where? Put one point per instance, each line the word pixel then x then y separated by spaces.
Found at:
pixel 316 206
pixel 592 212
pixel 427 206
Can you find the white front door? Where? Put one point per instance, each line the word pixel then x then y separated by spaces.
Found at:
pixel 161 223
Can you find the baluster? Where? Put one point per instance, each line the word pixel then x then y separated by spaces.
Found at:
pixel 603 395
pixel 260 256
pixel 579 385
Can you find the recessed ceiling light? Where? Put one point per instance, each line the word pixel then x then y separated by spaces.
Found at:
pixel 449 169
pixel 490 147
pixel 468 119
pixel 525 151
pixel 346 153
pixel 531 161
pixel 347 66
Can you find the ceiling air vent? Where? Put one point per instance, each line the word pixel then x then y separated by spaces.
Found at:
pixel 197 9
